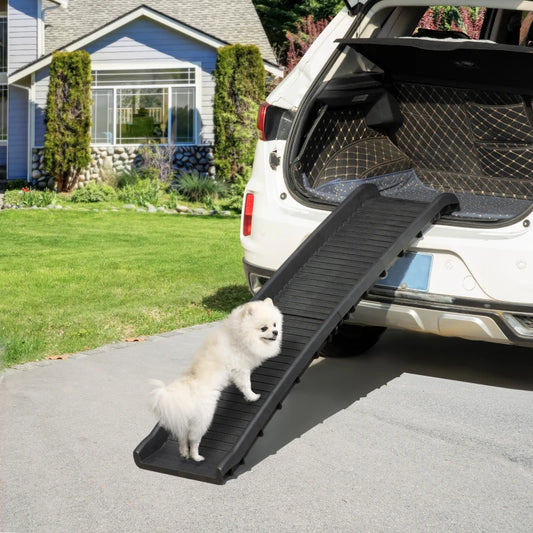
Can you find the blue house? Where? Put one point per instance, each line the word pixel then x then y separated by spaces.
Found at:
pixel 152 65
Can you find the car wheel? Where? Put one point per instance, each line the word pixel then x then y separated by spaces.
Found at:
pixel 351 340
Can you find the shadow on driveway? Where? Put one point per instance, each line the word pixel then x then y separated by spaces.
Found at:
pixel 331 385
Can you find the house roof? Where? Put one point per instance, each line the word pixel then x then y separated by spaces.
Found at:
pixel 125 18
pixel 231 21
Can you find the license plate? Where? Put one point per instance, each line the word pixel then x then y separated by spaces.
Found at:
pixel 409 272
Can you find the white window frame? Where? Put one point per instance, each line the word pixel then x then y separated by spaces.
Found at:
pixel 196 85
pixel 4 114
pixel 3 17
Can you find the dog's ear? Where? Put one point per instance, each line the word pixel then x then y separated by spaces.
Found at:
pixel 246 310
pixel 269 301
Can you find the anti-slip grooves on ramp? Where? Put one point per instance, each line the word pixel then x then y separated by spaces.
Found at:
pixel 315 289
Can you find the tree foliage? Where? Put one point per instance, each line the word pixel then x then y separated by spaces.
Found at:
pixel 68 118
pixel 281 16
pixel 240 88
pixel 307 30
pixel 466 19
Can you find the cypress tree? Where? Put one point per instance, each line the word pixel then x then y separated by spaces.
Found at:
pixel 68 118
pixel 240 88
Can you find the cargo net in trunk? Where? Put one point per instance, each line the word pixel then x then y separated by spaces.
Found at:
pixel 467 141
pixel 456 140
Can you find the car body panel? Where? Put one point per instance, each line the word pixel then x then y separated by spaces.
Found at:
pixel 481 275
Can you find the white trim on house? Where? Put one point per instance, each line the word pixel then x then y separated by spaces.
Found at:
pixel 31 126
pixel 122 21
pixel 197 104
pixel 29 130
pixel 143 64
pixel 40 29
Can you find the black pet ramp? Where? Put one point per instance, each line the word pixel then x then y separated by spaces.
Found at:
pixel 315 289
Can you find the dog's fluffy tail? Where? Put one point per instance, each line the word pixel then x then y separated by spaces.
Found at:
pixel 165 404
pixel 158 397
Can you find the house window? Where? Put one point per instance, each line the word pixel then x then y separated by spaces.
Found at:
pixel 136 107
pixel 102 116
pixel 142 115
pixel 183 106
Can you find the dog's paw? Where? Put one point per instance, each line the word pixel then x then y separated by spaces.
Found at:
pixel 197 458
pixel 253 397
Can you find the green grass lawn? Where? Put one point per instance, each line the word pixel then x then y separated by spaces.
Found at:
pixel 74 280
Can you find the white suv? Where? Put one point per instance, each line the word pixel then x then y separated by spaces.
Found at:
pixel 415 112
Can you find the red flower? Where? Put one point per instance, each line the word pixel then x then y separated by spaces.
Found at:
pixel 25 189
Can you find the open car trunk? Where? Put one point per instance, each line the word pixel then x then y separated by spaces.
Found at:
pixel 427 116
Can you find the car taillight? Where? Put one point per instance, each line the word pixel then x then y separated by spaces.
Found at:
pixel 247 215
pixel 261 119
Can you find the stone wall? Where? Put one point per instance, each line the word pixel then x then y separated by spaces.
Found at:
pixel 109 160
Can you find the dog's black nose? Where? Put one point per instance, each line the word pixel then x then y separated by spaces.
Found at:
pixel 275 332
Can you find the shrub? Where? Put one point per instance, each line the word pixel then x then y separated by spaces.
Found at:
pixel 197 187
pixel 13 197
pixel 30 198
pixel 94 192
pixel 16 184
pixel 68 118
pixel 173 198
pixel 142 193
pixel 233 199
pixel 130 176
pixel 158 159
pixel 240 88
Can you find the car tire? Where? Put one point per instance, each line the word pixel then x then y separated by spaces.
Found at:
pixel 351 340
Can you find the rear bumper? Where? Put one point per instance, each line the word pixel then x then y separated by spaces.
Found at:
pixel 255 276
pixel 477 320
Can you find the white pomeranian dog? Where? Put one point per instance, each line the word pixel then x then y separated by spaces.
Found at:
pixel 247 337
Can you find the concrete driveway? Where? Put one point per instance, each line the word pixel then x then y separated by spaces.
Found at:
pixel 420 434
